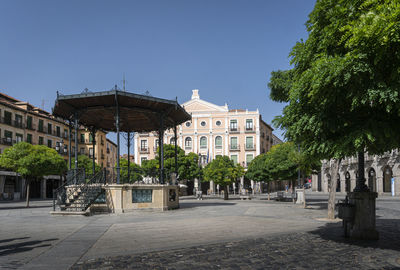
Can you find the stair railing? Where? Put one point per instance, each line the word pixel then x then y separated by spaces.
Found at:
pixel 75 176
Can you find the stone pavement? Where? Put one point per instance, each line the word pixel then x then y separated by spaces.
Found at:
pixel 209 234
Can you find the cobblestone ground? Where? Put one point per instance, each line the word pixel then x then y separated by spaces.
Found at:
pixel 324 248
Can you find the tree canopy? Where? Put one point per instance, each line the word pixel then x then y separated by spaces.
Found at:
pixel 257 169
pixel 135 171
pixel 343 90
pixel 84 162
pixel 223 172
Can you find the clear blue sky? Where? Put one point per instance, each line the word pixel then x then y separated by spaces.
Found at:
pixel 226 49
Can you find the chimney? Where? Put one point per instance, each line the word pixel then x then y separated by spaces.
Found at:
pixel 195 94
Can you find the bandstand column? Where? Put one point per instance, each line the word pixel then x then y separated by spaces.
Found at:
pixel 118 142
pixel 76 144
pixel 161 146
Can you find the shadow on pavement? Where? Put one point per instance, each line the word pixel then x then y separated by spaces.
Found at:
pixel 12 239
pixel 23 207
pixel 389 235
pixel 202 204
pixel 24 246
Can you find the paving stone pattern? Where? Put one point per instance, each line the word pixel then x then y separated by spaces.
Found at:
pixel 324 248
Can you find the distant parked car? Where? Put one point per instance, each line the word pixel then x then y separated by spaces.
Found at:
pixel 307 185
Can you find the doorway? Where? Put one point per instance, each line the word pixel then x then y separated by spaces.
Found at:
pixel 372 180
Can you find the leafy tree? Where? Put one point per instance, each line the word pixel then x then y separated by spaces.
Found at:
pixel 135 170
pixel 189 168
pixel 223 172
pixel 169 159
pixel 343 90
pixel 258 172
pixel 32 162
pixel 150 168
pixel 86 163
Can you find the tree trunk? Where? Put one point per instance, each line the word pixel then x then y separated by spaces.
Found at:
pixel 269 191
pixel 332 192
pixel 226 195
pixel 28 182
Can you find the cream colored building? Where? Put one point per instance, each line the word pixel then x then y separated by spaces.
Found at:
pixel 21 121
pixel 213 131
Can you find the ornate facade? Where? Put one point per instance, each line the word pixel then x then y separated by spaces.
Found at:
pixel 379 172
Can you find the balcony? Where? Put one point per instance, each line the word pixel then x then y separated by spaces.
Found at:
pixel 234 147
pixel 18 124
pixel 42 130
pixel 108 150
pixel 144 150
pixel 143 134
pixel 250 129
pixel 234 129
pixel 31 127
pixel 249 147
pixel 7 141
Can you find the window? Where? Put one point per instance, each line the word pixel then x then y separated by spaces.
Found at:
pixel 249 124
pixel 249 143
pixel 82 138
pixel 58 131
pixel 203 142
pixel 82 152
pixel 249 158
pixel 8 135
pixel 143 159
pixel 91 152
pixel 49 143
pixel 218 142
pixel 40 142
pixel 233 125
pixel 29 138
pixel 143 145
pixel 18 120
pixel 234 143
pixel 65 133
pixel 40 125
pixel 234 158
pixel 72 149
pixel 218 123
pixel 217 156
pixel 29 122
pixel 18 137
pixel 188 143
pixel 90 137
pixel 188 124
pixel 172 141
pixel 49 128
pixel 203 123
pixel 7 118
pixel 156 143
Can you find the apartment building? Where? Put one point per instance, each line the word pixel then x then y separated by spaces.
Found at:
pixel 213 131
pixel 21 121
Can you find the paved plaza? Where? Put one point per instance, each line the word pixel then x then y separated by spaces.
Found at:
pixel 208 234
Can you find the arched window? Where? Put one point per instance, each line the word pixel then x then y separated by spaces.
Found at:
pixel 218 142
pixel 203 142
pixel 188 143
pixel 172 141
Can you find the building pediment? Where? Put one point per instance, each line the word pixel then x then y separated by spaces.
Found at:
pixel 198 105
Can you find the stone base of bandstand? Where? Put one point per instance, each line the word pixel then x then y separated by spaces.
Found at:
pixel 364 223
pixel 120 198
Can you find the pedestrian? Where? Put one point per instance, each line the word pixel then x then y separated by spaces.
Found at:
pixel 286 187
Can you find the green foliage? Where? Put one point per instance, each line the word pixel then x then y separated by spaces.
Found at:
pixel 279 162
pixel 222 171
pixel 169 158
pixel 343 91
pixel 32 161
pixel 150 168
pixel 257 169
pixel 188 167
pixel 84 162
pixel 135 171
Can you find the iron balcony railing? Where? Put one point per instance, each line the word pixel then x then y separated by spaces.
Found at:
pixel 249 147
pixel 8 141
pixel 31 127
pixel 18 124
pixel 250 129
pixel 144 150
pixel 233 129
pixel 234 147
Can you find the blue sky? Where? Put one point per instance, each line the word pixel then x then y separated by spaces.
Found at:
pixel 226 49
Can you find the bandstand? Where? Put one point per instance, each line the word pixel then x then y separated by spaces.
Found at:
pixel 117 111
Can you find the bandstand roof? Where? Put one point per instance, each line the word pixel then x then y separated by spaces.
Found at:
pixel 139 113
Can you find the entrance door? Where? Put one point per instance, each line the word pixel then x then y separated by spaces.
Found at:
pixel 372 180
pixel 387 178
